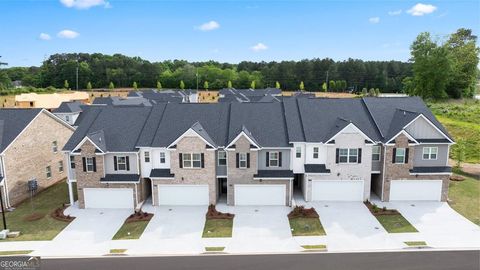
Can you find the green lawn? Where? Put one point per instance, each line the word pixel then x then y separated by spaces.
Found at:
pixel 117 251
pixel 15 252
pixel 218 228
pixel 131 230
pixel 395 224
pixel 44 204
pixel 213 249
pixel 306 227
pixel 415 243
pixel 465 198
pixel 314 246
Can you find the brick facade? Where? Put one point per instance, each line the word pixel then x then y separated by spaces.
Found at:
pixel 402 171
pixel 29 155
pixel 245 176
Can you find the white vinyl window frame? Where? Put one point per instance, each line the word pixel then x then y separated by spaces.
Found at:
pixel 298 152
pixel 89 164
pixel 55 146
pixel 315 152
pixel 72 162
pixel 48 172
pixel 273 159
pixel 121 163
pixel 147 157
pixel 60 166
pixel 376 153
pixel 430 153
pixel 400 155
pixel 348 155
pixel 242 160
pixel 192 160
pixel 162 157
pixel 222 158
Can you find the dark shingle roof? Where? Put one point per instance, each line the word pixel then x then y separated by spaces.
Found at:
pixel 117 101
pixel 161 173
pixel 316 168
pixel 12 122
pixel 441 169
pixel 69 107
pixel 274 174
pixel 120 178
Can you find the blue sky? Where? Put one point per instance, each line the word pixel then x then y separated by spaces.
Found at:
pixel 226 31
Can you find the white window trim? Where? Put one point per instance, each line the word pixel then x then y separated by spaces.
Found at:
pixel 48 171
pixel 122 163
pixel 242 157
pixel 192 160
pixel 348 155
pixel 430 148
pixel 218 158
pixel 316 152
pixel 55 146
pixel 298 150
pixel 87 163
pixel 60 166
pixel 163 156
pixel 379 152
pixel 72 162
pixel 270 159
pixel 404 154
pixel 146 156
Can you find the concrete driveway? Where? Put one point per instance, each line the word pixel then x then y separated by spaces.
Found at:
pixel 172 230
pixel 260 229
pixel 350 226
pixel 88 234
pixel 439 225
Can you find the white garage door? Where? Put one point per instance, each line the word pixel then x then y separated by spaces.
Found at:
pixel 108 197
pixel 415 190
pixel 183 195
pixel 337 190
pixel 260 194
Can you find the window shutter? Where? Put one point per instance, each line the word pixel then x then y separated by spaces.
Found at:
pixel 238 160
pixel 128 162
pixel 337 155
pixel 248 160
pixel 202 157
pixel 279 159
pixel 267 157
pixel 359 155
pixel 406 155
pixel 115 163
pixel 180 160
pixel 94 164
pixel 394 154
pixel 84 162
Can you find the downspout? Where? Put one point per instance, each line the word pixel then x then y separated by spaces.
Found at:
pixel 291 193
pixel 69 182
pixel 153 199
pixel 383 172
pixel 136 196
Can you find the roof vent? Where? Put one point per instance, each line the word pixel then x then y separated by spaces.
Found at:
pixel 404 113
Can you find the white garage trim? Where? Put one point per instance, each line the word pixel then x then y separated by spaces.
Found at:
pixel 262 194
pixel 108 197
pixel 337 190
pixel 183 194
pixel 416 190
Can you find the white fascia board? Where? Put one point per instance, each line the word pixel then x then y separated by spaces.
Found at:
pixel 430 122
pixel 184 134
pixel 238 137
pixel 355 127
pixel 406 134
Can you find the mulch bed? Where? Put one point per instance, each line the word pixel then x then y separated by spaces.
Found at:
pixel 59 215
pixel 212 213
pixel 302 212
pixel 34 216
pixel 139 216
pixel 377 211
pixel 457 177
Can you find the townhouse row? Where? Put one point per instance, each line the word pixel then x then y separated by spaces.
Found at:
pixel 258 153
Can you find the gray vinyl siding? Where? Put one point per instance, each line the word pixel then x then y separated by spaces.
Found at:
pixel 109 167
pixel 441 157
pixel 220 170
pixel 285 159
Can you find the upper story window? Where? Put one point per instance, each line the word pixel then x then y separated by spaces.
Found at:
pixel 400 155
pixel 222 158
pixel 89 164
pixel 48 171
pixel 60 166
pixel 298 152
pixel 430 153
pixel 55 146
pixel 349 155
pixel 273 159
pixel 72 162
pixel 67 118
pixel 242 160
pixel 376 153
pixel 121 163
pixel 162 157
pixel 315 152
pixel 192 160
pixel 147 156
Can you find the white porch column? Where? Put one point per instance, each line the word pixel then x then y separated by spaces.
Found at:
pixel 70 192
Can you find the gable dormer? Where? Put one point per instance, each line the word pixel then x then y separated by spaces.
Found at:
pixel 254 145
pixel 196 130
pixel 423 129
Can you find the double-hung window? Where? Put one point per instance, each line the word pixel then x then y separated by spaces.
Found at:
pixel 72 162
pixel 400 155
pixel 273 159
pixel 48 171
pixel 55 146
pixel 147 157
pixel 348 155
pixel 89 164
pixel 376 153
pixel 222 158
pixel 60 166
pixel 162 157
pixel 192 160
pixel 315 152
pixel 298 152
pixel 242 160
pixel 122 163
pixel 430 153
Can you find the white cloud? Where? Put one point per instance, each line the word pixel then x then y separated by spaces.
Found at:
pixel 208 26
pixel 69 34
pixel 259 47
pixel 85 4
pixel 374 20
pixel 421 9
pixel 44 36
pixel 395 12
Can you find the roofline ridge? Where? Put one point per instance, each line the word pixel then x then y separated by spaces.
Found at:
pixel 371 116
pixel 144 124
pixel 301 120
pixel 285 121
pixel 159 123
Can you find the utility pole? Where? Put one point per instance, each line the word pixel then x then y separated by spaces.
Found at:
pixel 196 75
pixel 326 81
pixel 77 75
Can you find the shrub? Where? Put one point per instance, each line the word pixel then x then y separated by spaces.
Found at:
pixel 302 212
pixel 212 213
